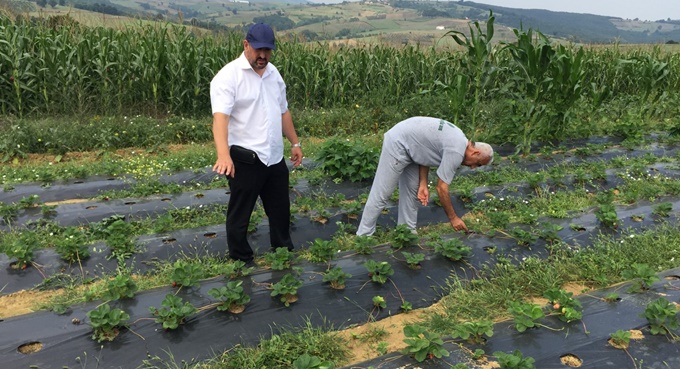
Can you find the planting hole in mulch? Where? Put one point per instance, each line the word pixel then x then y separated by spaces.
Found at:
pixel 672 277
pixel 78 182
pixel 489 194
pixel 130 203
pixel 199 195
pixel 210 235
pixel 571 360
pixel 169 240
pixel 91 207
pixel 165 199
pixel 29 348
pixel 489 249
pixel 110 179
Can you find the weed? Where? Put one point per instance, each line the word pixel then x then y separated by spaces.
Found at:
pixel 663 209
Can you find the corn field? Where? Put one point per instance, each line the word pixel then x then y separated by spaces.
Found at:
pixel 166 69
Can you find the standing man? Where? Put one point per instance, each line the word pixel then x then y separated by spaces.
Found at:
pixel 250 117
pixel 409 149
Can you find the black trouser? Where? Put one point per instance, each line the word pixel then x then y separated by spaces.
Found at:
pixel 271 185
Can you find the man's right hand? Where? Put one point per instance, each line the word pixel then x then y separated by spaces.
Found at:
pixel 224 166
pixel 458 224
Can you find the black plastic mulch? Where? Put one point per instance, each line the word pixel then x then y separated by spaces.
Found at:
pixel 211 331
pixel 585 340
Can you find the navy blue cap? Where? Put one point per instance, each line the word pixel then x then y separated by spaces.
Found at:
pixel 261 36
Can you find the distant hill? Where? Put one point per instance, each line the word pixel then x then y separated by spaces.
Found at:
pixel 587 28
pixel 392 21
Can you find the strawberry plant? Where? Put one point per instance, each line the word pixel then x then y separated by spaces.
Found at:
pixel 413 260
pixel 525 315
pixel 422 344
pixel 8 212
pixel 173 312
pixel 563 304
pixel 352 209
pixel 121 286
pixel 379 271
pixel 336 277
pixel 534 180
pixel 452 249
pixel 641 276
pixel 287 288
pixel 523 238
pixel 662 317
pixel 516 360
pixel 48 210
pixel 21 249
pixel 119 239
pixel 186 274
pixel 72 245
pixel 29 202
pixel 473 332
pixel 364 244
pixel 106 322
pixel 235 269
pixel 620 339
pixel 498 219
pixel 232 297
pixel 606 214
pixel 280 259
pixel 403 236
pixel 379 302
pixel 311 362
pixel 549 233
pixel 323 250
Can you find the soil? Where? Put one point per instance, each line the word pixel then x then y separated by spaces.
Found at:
pixel 22 302
pixel 571 361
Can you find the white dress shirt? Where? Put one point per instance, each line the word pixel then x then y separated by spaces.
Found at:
pixel 254 105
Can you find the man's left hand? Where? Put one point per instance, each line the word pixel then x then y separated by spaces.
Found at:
pixel 423 195
pixel 296 156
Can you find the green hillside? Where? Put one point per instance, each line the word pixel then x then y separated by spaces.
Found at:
pixel 393 21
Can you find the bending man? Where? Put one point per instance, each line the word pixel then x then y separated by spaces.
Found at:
pixel 409 149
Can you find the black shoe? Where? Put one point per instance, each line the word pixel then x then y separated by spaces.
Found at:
pixel 250 263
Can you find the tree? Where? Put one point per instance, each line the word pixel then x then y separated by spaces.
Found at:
pixel 53 3
pixel 41 3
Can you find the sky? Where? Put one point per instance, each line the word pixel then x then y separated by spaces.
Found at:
pixel 643 9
